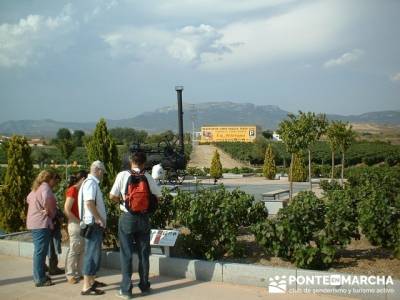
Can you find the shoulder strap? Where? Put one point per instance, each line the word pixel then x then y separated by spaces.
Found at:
pixel 82 204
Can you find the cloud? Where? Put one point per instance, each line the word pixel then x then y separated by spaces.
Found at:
pixel 188 45
pixel 23 43
pixel 304 30
pixel 220 7
pixel 99 10
pixel 192 44
pixel 344 59
pixel 395 77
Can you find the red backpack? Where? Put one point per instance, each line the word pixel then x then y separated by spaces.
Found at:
pixel 138 197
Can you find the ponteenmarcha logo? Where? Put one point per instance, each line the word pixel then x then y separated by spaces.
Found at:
pixel 277 284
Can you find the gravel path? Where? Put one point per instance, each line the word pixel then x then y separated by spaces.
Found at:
pixel 202 154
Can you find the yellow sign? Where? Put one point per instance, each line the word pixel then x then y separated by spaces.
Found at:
pixel 210 134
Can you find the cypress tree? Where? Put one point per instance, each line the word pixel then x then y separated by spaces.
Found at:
pixel 269 169
pixel 216 167
pixel 101 146
pixel 299 173
pixel 17 185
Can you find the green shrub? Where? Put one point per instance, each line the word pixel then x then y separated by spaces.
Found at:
pixel 329 186
pixel 377 192
pixel 195 171
pixel 213 218
pixel 164 215
pixel 309 232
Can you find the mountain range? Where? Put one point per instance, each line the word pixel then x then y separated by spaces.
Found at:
pixel 267 116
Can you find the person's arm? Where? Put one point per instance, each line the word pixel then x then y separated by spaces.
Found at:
pixel 67 209
pixel 154 187
pixel 91 206
pixel 50 203
pixel 115 193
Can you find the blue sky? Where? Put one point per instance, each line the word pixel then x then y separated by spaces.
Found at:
pixel 82 60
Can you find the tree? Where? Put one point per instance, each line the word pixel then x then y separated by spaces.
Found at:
pixel 77 137
pixel 291 133
pixel 312 126
pixel 340 136
pixel 65 145
pixel 41 156
pixel 17 185
pixel 216 167
pixel 299 173
pixel 63 134
pixel 128 136
pixel 267 134
pixel 101 146
pixel 331 134
pixel 346 137
pixel 269 169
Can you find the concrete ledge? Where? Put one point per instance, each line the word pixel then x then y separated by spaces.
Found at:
pixel 191 269
pixel 9 248
pixel 25 249
pixel 254 275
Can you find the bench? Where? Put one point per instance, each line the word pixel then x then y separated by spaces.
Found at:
pixel 275 193
pixel 272 203
pixel 164 239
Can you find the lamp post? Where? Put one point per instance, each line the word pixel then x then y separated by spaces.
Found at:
pixel 179 90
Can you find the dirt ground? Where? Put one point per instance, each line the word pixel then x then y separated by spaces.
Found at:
pixel 360 258
pixel 202 154
pixel 371 132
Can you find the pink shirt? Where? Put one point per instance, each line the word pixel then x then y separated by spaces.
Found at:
pixel 38 200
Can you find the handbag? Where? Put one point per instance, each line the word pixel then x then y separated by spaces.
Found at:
pixel 86 229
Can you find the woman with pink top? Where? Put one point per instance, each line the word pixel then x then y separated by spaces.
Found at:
pixel 41 211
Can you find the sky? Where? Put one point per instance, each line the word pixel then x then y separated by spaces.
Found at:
pixel 83 60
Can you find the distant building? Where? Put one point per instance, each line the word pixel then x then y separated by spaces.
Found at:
pixel 276 137
pixel 228 133
pixel 36 142
pixel 4 139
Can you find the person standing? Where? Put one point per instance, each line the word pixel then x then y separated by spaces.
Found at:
pixel 157 172
pixel 55 238
pixel 134 225
pixel 74 258
pixel 93 215
pixel 42 209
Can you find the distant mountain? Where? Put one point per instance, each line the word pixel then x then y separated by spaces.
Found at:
pixel 389 117
pixel 267 116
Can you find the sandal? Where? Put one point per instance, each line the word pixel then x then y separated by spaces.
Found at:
pixel 97 284
pixel 92 291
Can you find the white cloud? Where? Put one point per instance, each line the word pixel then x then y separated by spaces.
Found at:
pixel 395 77
pixel 188 45
pixel 344 59
pixel 22 43
pixel 100 9
pixel 304 30
pixel 212 7
pixel 191 44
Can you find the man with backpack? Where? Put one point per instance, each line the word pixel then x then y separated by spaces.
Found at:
pixel 139 195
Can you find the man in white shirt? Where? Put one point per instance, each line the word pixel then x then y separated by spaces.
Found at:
pixel 93 215
pixel 133 226
pixel 157 172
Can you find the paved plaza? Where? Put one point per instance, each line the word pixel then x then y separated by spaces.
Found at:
pixel 16 283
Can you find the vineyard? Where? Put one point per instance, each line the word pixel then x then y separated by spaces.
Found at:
pixel 369 153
